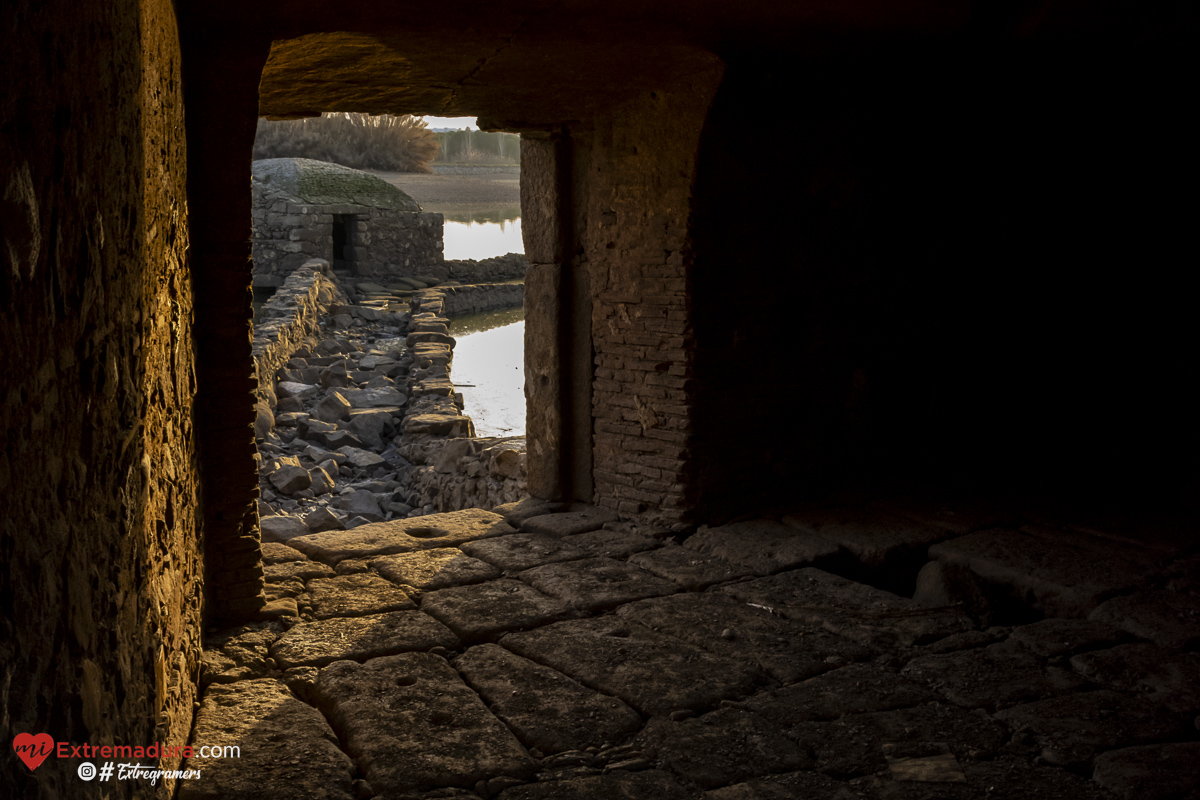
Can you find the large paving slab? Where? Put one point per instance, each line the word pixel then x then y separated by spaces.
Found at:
pixel 1163 676
pixel 654 673
pixel 788 786
pixel 439 568
pixel 852 689
pixel 516 513
pixel 854 744
pixel 647 785
pixel 403 535
pixel 522 551
pixel 239 653
pixel 726 627
pixel 282 571
pixel 1151 772
pixel 287 749
pixel 1169 619
pixel 992 677
pixel 877 540
pixel 1052 638
pixel 689 568
pixel 481 610
pixel 321 642
pixel 569 522
pixel 998 779
pixel 276 553
pixel 723 747
pixel 410 722
pixel 863 613
pixel 356 596
pixel 595 583
pixel 764 546
pixel 1072 729
pixel 1147 529
pixel 1060 572
pixel 612 544
pixel 543 707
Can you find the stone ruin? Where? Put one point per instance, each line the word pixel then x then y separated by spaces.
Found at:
pixel 358 222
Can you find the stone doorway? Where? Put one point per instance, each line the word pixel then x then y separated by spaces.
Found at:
pixel 343 224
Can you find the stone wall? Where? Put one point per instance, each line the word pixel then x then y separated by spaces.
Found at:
pixel 480 297
pixel 458 473
pixel 379 240
pixel 455 470
pixel 433 407
pixel 100 589
pixel 488 270
pixel 290 318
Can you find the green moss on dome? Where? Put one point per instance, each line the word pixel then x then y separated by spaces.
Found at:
pixel 322 183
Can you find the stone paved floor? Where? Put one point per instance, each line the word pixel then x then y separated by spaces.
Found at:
pixel 549 656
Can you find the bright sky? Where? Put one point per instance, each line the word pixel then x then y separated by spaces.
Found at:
pixel 455 123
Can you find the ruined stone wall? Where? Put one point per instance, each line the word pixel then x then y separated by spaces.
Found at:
pixel 633 178
pixel 459 473
pixel 289 319
pixel 488 270
pixel 387 243
pixel 481 297
pixel 454 469
pixel 379 240
pixel 100 591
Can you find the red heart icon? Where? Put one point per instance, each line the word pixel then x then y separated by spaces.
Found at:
pixel 33 749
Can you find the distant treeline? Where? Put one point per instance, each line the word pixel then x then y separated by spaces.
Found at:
pixel 479 147
pixel 361 141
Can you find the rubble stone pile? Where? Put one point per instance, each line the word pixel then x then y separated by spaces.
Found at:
pixel 358 420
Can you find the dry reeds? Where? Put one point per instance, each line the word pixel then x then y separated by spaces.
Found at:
pixel 361 141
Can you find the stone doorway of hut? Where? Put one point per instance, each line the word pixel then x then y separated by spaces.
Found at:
pixel 343 250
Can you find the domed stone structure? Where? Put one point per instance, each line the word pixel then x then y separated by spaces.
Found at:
pixel 358 221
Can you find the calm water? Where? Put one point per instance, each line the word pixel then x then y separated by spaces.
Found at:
pixel 483 232
pixel 489 354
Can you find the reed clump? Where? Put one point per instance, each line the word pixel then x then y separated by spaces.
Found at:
pixel 360 141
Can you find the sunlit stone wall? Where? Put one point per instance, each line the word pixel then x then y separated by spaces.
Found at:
pixel 100 590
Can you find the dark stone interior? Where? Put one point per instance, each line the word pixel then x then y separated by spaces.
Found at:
pixel 969 279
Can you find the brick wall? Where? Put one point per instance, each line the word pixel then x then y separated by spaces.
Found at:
pixel 636 169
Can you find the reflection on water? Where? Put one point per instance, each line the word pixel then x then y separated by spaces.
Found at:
pixel 489 369
pixel 483 232
pixel 474 323
pixel 476 214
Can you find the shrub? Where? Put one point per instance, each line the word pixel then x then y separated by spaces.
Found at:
pixel 360 141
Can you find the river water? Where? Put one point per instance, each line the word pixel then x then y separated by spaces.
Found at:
pixel 482 234
pixel 489 370
pixel 489 354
